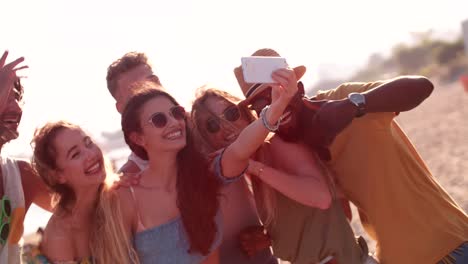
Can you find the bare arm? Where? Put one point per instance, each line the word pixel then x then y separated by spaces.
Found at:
pixel 396 95
pixel 35 190
pixel 399 94
pixel 127 207
pixel 236 156
pixel 296 174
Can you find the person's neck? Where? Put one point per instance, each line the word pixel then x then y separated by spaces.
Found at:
pixel 85 205
pixel 164 167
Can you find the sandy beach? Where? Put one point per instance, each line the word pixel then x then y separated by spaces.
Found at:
pixel 439 130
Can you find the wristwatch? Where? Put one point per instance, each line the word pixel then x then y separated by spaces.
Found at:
pixel 359 101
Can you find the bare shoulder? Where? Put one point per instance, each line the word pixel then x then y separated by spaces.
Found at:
pixel 57 243
pixel 127 204
pixel 25 168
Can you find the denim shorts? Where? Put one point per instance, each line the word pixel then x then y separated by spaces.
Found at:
pixel 458 256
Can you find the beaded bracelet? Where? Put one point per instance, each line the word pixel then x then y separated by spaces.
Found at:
pixel 265 122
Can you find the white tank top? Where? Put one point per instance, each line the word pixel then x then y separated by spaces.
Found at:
pixel 141 163
pixel 13 189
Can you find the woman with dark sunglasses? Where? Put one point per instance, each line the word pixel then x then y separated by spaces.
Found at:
pixel 182 223
pixel 290 190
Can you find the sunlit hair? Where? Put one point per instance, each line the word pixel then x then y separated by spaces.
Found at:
pixel 196 186
pixel 128 62
pixel 264 194
pixel 109 241
pixel 44 162
pixel 199 109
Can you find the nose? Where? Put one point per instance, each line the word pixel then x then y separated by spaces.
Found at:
pixel 227 127
pixel 89 154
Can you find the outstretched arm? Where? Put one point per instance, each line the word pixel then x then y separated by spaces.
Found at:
pixel 396 95
pixel 236 156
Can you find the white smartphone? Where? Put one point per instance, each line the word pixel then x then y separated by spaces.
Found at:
pixel 257 69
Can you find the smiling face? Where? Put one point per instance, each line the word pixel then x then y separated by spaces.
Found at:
pixel 158 136
pixel 80 163
pixel 11 116
pixel 221 122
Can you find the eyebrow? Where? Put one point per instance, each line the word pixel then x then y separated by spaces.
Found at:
pixel 71 150
pixel 86 138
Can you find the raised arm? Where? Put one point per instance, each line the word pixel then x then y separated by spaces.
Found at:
pixel 398 95
pixel 236 156
pixel 7 78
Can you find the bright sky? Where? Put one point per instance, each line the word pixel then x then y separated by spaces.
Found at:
pixel 69 45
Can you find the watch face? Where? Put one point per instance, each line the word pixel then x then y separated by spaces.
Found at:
pixel 357 98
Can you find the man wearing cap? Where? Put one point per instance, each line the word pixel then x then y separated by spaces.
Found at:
pixel 401 204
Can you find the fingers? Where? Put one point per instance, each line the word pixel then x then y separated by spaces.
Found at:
pixel 287 79
pixel 14 63
pixel 3 58
pixel 21 68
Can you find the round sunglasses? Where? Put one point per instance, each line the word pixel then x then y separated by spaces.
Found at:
pixel 5 218
pixel 160 119
pixel 231 114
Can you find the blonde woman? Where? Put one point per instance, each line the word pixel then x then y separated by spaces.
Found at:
pixel 86 226
pixel 295 195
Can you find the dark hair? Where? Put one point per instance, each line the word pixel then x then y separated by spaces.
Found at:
pixel 199 106
pixel 128 62
pixel 44 163
pixel 197 187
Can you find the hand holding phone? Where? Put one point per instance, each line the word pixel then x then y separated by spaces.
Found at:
pixel 257 69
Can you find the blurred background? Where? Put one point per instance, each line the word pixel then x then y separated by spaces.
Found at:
pixel 69 45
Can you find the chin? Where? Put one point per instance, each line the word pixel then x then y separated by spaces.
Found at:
pixel 177 145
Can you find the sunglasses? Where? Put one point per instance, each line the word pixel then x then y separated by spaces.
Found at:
pixel 231 114
pixel 160 119
pixel 5 215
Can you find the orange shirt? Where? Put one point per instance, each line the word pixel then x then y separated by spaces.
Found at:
pixel 410 215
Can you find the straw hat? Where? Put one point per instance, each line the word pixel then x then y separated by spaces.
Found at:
pixel 250 90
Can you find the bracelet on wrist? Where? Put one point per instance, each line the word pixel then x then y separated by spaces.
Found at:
pixel 265 121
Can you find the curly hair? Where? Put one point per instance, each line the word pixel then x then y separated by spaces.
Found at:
pixel 44 162
pixel 128 62
pixel 197 187
pixel 109 241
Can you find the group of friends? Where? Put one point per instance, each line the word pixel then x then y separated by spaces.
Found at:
pixel 261 179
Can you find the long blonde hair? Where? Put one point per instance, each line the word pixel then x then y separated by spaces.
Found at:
pixel 109 242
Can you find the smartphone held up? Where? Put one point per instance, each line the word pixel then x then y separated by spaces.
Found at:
pixel 258 69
